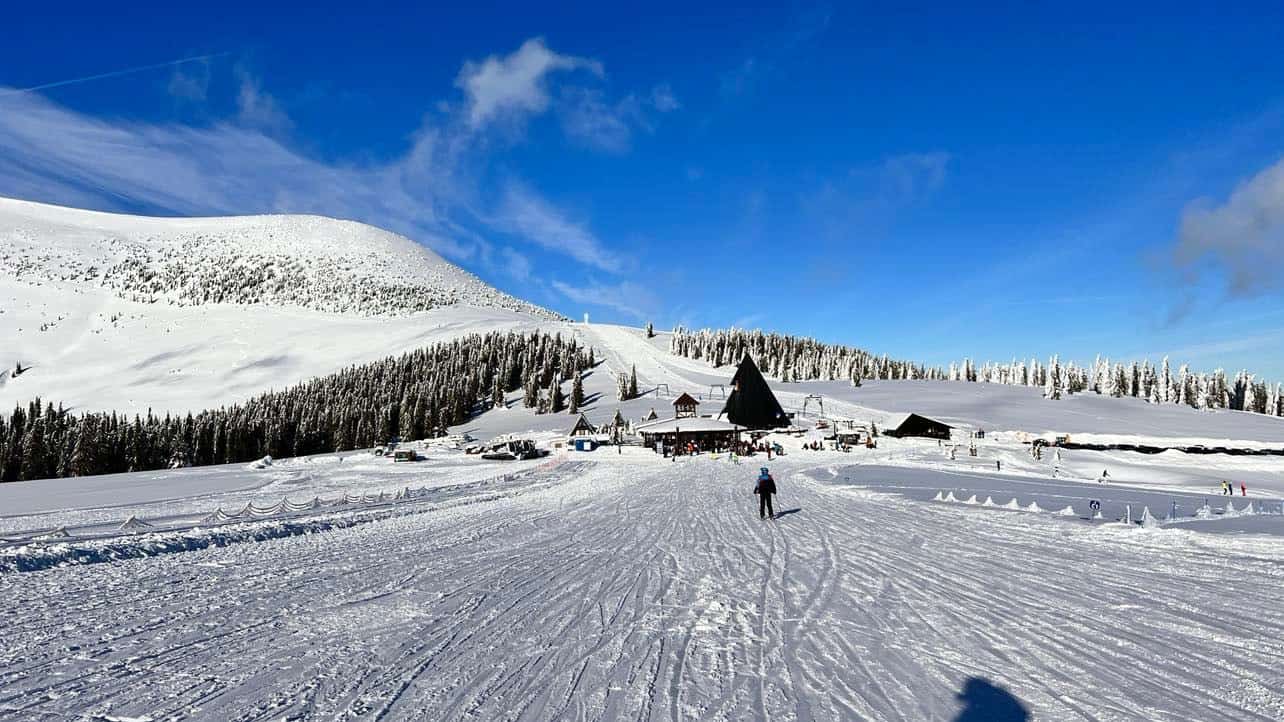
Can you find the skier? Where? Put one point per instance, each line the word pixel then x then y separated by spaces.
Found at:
pixel 998 465
pixel 1225 487
pixel 765 487
pixel 1243 489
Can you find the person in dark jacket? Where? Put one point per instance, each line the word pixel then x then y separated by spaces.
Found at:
pixel 764 489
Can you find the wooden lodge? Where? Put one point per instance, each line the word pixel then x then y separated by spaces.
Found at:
pixel 684 407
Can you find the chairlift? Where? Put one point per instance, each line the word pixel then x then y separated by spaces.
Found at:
pixel 819 401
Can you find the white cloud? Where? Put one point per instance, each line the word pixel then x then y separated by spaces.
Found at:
pixel 516 264
pixel 1242 238
pixel 256 107
pixel 524 213
pixel 663 100
pixel 912 176
pixel 51 153
pixel 246 164
pixel 190 85
pixel 632 299
pixel 515 84
pixel 588 118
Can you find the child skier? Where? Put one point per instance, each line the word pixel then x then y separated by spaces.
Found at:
pixel 765 487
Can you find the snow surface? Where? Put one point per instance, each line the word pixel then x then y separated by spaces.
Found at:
pixel 605 587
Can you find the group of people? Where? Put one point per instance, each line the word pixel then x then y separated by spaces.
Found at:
pixel 1228 488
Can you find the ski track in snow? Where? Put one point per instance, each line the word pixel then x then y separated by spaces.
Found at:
pixel 615 590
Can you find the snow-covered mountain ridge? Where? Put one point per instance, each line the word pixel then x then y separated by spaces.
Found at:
pixel 308 262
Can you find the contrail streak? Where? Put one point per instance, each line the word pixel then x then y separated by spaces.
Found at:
pixel 112 74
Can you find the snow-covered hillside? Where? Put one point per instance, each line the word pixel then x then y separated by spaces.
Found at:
pixel 123 313
pixel 308 262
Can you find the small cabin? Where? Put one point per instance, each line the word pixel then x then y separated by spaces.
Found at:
pixel 583 428
pixel 651 416
pixel 913 425
pixel 684 407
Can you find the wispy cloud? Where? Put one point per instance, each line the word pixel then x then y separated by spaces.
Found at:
pixel 873 194
pixel 110 74
pixel 629 298
pixel 55 154
pixel 246 163
pixel 516 264
pixel 515 85
pixel 190 83
pixel 769 54
pixel 663 99
pixel 589 118
pixel 524 213
pixel 1241 239
pixel 910 177
pixel 255 107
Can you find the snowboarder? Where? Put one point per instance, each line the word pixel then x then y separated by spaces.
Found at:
pixel 1225 487
pixel 765 487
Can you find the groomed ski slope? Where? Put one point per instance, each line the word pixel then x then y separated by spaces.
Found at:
pixel 638 588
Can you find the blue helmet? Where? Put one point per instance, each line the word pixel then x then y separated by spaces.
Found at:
pixel 764 470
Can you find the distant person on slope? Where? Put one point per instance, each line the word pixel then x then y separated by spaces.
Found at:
pixel 1243 489
pixel 765 487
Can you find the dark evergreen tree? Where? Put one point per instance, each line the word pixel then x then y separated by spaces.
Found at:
pixel 415 395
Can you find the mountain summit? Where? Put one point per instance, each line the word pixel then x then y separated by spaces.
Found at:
pixel 311 262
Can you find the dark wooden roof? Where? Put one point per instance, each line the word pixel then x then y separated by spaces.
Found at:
pixel 685 400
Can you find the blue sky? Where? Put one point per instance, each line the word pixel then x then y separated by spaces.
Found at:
pixel 931 183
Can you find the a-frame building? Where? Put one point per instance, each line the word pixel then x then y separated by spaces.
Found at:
pixel 751 403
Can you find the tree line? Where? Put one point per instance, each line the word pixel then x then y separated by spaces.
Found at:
pixel 416 395
pixel 1135 379
pixel 792 358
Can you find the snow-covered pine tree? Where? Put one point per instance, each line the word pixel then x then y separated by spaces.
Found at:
pixel 577 393
pixel 555 400
pixel 1052 386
